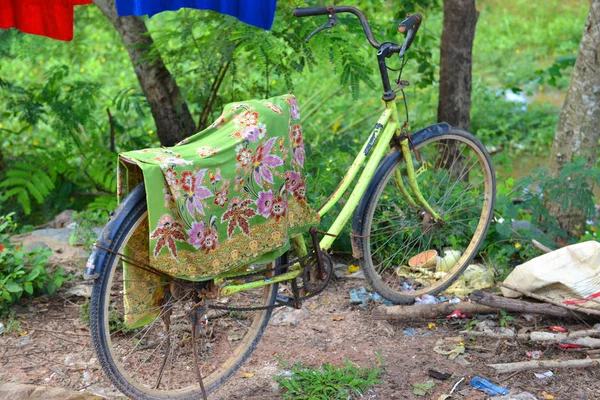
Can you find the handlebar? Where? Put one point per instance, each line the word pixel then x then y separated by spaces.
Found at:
pixel 311 11
pixel 411 26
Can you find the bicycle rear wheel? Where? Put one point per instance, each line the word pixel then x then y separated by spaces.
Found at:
pixel 405 251
pixel 155 361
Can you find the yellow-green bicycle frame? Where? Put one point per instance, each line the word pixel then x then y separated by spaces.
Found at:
pixel 375 148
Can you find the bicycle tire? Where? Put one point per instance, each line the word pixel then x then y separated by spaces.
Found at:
pixel 107 346
pixel 388 269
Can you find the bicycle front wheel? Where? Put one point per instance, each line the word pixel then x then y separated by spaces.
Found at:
pixel 156 359
pixel 406 251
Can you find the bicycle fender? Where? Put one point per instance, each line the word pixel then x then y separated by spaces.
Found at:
pixel 417 138
pixel 94 263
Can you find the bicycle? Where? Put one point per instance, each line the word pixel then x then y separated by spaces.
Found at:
pixel 418 195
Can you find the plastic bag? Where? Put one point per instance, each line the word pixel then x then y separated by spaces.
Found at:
pixel 570 275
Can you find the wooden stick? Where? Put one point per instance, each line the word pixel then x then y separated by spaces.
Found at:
pixel 584 310
pixel 535 364
pixel 564 337
pixel 540 246
pixel 521 306
pixel 428 311
pixel 536 337
pixel 495 335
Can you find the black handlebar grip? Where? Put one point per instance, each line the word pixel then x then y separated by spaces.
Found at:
pixel 310 11
pixel 412 22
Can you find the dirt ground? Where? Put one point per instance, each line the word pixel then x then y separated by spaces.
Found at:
pixel 56 351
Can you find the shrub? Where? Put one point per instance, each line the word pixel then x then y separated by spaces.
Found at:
pixel 23 272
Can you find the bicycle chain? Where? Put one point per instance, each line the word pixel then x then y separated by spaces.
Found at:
pixel 273 306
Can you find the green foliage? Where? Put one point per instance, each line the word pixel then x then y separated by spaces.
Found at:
pixel 327 382
pixel 96 215
pixel 509 243
pixel 571 188
pixel 13 325
pixel 23 272
pixel 555 71
pixel 514 126
pixel 25 181
pixel 505 319
pixel 84 312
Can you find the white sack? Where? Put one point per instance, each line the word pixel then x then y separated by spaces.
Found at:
pixel 570 275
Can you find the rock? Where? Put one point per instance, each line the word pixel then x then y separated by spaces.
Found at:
pixel 288 316
pixel 58 241
pixel 17 391
pixel 62 220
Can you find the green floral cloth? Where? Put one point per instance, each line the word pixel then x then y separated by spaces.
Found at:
pixel 225 197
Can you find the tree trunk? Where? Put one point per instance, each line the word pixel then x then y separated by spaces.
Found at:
pixel 456 49
pixel 578 130
pixel 454 105
pixel 171 114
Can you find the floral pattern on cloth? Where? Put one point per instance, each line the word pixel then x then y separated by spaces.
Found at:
pixel 230 195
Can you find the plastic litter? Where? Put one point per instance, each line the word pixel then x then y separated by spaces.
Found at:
pixel 534 355
pixel 1 328
pixel 454 300
pixel 442 376
pixel 410 331
pixel 566 346
pixel 475 277
pixel 421 389
pixel 406 287
pixel 558 329
pixel 544 375
pixel 486 386
pixel 362 297
pixel 426 299
pixel 358 296
pixel 568 275
pixel 459 314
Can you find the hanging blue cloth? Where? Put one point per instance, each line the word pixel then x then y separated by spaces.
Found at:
pixel 259 13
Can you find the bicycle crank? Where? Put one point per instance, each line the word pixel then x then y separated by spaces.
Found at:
pixel 317 273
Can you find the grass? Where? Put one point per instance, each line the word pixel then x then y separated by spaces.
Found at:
pixel 327 382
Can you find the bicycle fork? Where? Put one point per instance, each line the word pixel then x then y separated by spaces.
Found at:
pixel 404 143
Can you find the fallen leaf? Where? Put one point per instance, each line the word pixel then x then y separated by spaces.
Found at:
pixel 431 325
pixel 338 318
pixel 247 374
pixel 421 389
pixel 23 333
pixel 547 396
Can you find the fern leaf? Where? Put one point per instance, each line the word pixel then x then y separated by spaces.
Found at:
pixel 23 200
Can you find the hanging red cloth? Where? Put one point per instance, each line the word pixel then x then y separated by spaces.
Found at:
pixel 52 18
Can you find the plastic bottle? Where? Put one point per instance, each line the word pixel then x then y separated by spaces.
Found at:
pixel 488 387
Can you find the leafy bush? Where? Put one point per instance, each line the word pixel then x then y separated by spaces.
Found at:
pixel 23 272
pixel 521 213
pixel 327 382
pixel 87 220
